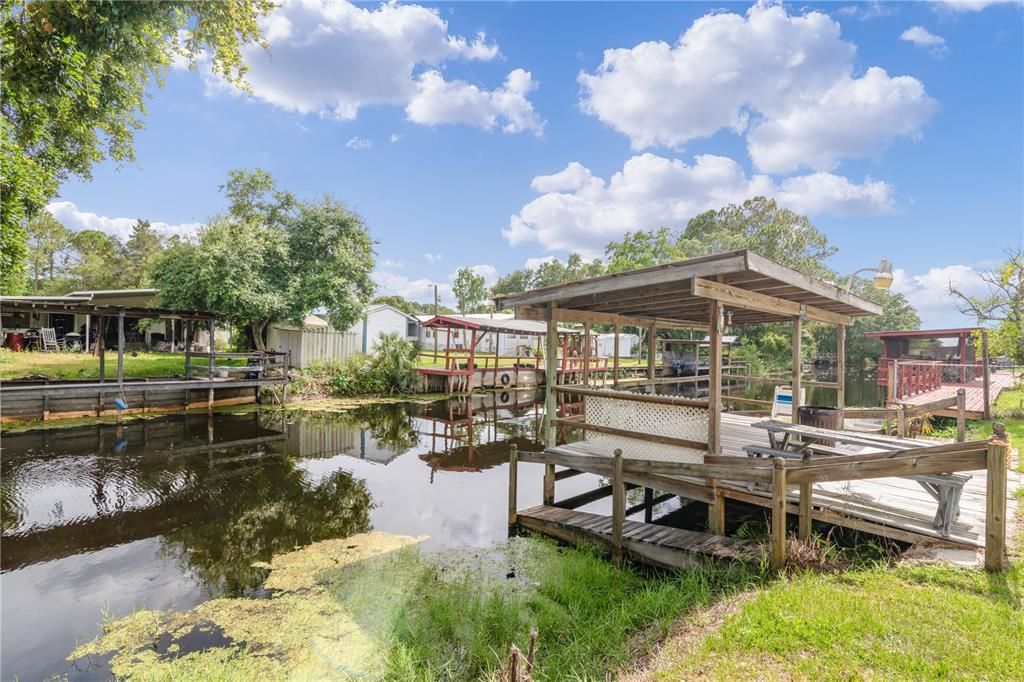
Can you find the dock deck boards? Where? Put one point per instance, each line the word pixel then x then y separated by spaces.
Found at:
pixel 974 394
pixel 662 545
pixel 899 504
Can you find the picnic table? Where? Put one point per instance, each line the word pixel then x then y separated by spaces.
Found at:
pixel 798 441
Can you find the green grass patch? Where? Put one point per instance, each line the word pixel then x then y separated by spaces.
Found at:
pixel 86 366
pixel 888 623
pixel 591 617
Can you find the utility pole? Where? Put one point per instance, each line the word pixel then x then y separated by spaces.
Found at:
pixel 435 299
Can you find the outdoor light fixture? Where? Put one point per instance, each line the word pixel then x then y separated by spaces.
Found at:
pixel 883 275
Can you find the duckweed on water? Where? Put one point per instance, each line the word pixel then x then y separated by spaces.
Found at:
pixel 373 607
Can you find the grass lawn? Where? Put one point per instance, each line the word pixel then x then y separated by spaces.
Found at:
pixel 886 623
pixel 85 366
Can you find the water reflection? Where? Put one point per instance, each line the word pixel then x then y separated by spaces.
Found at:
pixel 168 512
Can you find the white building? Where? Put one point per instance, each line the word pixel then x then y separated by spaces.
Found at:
pixel 382 318
pixel 628 345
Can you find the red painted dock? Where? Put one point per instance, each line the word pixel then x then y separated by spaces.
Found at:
pixel 974 394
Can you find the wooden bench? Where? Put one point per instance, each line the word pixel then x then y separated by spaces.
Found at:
pixel 946 489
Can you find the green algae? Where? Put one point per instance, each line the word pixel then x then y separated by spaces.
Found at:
pixel 302 631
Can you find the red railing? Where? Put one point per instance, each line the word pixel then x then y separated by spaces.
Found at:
pixel 914 377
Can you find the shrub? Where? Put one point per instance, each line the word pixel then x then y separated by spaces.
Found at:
pixel 394 363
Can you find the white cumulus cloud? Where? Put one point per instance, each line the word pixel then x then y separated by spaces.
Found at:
pixel 419 289
pixel 577 211
pixel 929 293
pixel 440 101
pixel 332 57
pixel 76 219
pixel 358 143
pixel 922 37
pixel 779 79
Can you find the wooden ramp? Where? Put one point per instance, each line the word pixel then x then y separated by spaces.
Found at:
pixel 653 544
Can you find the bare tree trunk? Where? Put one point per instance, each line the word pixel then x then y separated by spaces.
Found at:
pixel 256 329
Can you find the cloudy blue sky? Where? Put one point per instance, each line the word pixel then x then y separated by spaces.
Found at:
pixel 496 134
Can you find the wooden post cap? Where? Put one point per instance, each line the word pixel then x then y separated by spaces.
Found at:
pixel 618 452
pixel 779 462
pixel 999 432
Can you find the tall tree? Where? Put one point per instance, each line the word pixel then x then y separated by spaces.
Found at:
pixel 1002 308
pixel 75 77
pixel 140 250
pixel 270 258
pixel 757 224
pixel 99 261
pixel 48 250
pixel 470 291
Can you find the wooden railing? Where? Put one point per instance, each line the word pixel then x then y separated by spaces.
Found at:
pixel 900 414
pixel 913 377
pixel 780 473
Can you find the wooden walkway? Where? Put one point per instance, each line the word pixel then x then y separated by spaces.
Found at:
pixel 659 545
pixel 975 394
pixel 897 508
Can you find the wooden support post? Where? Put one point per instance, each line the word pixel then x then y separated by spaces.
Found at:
pixel 961 415
pixel 120 347
pixel 715 328
pixel 995 506
pixel 188 349
pixel 615 359
pixel 549 485
pixel 101 349
pixel 513 481
pixel 778 522
pixel 550 378
pixel 586 353
pixel 652 351
pixel 618 506
pixel 716 510
pixel 797 366
pixel 648 505
pixel 901 421
pixel 986 379
pixel 806 500
pixel 210 331
pixel 841 371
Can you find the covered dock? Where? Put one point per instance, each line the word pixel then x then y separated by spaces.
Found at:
pixel 203 382
pixel 924 365
pixel 463 368
pixel 693 449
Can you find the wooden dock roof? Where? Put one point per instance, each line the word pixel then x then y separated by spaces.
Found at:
pixel 753 288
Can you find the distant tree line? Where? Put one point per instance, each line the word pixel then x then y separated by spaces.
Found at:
pixel 757 224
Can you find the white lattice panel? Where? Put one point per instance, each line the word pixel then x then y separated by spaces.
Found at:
pixel 676 421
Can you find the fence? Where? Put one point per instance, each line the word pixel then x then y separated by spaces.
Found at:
pixel 309 346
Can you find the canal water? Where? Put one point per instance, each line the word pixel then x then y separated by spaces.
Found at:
pixel 171 511
pixel 168 512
